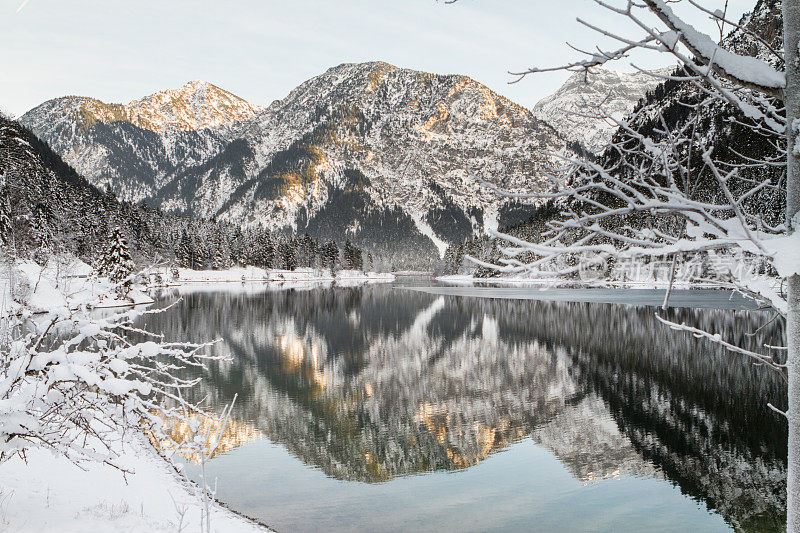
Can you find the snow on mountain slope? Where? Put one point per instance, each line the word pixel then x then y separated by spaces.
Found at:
pixel 129 148
pixel 396 138
pixel 571 108
pixel 384 156
pixel 196 105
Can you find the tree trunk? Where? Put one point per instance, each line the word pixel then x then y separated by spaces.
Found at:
pixel 791 37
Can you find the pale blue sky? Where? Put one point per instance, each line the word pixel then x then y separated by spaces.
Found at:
pixel 261 49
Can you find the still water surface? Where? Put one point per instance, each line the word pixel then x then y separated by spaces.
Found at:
pixel 385 409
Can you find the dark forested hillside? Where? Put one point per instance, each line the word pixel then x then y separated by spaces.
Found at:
pixel 719 127
pixel 46 207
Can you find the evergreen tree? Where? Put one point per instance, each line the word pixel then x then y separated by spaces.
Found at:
pixel 220 258
pixel 306 250
pixel 352 257
pixel 40 226
pixel 185 252
pixel 5 222
pixel 269 250
pixel 117 263
pixel 329 253
pixel 290 255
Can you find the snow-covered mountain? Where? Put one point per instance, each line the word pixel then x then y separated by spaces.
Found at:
pixel 195 106
pixel 384 156
pixel 130 148
pixel 573 107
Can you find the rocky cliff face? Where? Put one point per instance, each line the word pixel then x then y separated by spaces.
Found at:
pixel 384 156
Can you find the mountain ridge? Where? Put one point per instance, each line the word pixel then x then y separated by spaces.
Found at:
pixel 402 146
pixel 193 106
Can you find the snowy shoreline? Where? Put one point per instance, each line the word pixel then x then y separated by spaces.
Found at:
pixel 166 277
pixel 465 279
pixel 41 494
pixel 46 491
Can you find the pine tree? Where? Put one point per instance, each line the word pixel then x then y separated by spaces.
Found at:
pixel 185 252
pixel 220 258
pixel 269 250
pixel 352 257
pixel 458 258
pixel 306 250
pixel 40 226
pixel 289 254
pixel 329 253
pixel 5 222
pixel 116 263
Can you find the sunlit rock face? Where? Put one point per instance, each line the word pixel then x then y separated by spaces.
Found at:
pixel 390 158
pixel 368 384
pixel 195 106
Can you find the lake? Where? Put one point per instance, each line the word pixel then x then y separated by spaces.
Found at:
pixel 381 408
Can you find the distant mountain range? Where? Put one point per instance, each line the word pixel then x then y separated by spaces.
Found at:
pixel 383 156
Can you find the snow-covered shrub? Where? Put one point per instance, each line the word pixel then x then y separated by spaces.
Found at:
pixel 21 289
pixel 73 384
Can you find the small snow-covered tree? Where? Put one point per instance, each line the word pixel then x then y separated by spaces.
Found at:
pixel 116 262
pixel 643 201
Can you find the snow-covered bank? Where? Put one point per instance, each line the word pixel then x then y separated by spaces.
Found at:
pixel 466 279
pixel 169 276
pixel 248 287
pixel 48 493
pixel 348 278
pixel 62 284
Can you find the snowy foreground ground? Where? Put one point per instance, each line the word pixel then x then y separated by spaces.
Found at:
pixel 46 492
pixel 51 494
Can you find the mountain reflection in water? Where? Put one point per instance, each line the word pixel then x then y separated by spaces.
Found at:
pixel 368 384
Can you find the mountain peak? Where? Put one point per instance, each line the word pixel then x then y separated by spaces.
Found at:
pixel 196 105
pixel 615 92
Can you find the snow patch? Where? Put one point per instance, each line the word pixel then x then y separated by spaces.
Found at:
pixel 426 230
